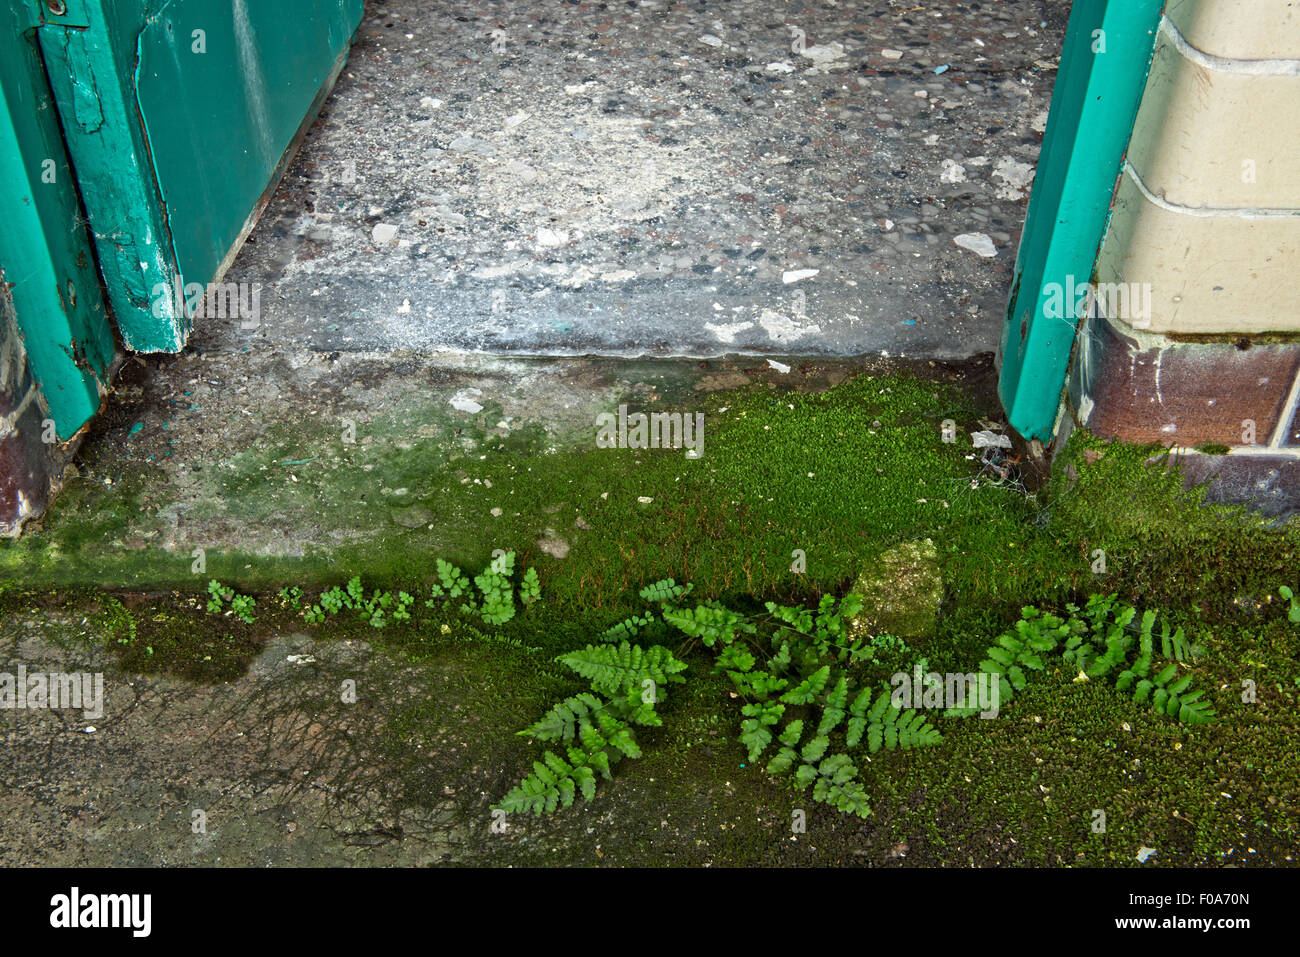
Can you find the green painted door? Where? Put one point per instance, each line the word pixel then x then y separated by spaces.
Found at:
pixel 47 262
pixel 179 117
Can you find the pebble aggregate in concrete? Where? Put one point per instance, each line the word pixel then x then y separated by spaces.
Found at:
pixel 637 177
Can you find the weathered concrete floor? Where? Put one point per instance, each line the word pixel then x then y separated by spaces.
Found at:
pixel 274 769
pixel 640 178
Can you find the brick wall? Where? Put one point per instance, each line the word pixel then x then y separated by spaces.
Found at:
pixel 1206 221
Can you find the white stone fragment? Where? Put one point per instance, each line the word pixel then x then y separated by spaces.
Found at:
pixel 463 401
pixel 978 243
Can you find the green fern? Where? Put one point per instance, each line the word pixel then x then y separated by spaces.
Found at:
pixel 530 589
pixel 709 622
pixel 599 733
pixel 554 783
pixel 665 590
pixel 452 582
pixel 1100 642
pixel 498 603
pixel 615 671
pixel 759 685
pixel 628 628
pixel 832 778
pixel 566 720
pixel 808 689
pixel 890 727
pixel 835 785
pixel 759 717
pixel 834 708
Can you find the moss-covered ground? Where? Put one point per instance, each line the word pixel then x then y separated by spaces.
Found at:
pixel 842 474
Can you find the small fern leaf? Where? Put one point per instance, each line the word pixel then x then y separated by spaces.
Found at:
pixel 755 736
pixel 808 689
pixel 815 749
pixel 616 671
pixel 853 733
pixel 790 736
pixel 781 764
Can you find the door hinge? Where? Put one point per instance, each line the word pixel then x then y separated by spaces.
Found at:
pixel 60 13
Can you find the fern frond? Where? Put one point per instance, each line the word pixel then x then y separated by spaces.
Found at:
pixel 564 721
pixel 628 627
pixel 759 717
pixel 710 622
pixel 808 689
pixel 834 711
pixel 616 671
pixel 891 727
pixel 665 590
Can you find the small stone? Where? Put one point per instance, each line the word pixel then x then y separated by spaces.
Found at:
pixel 468 144
pixel 901 592
pixel 952 172
pixel 463 401
pixel 794 275
pixel 553 545
pixel 978 243
pixel 383 233
pixel 414 516
pixel 644 499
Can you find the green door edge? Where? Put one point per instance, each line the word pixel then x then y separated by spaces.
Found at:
pixel 45 251
pixel 90 55
pixel 94 57
pixel 1103 71
pixel 250 77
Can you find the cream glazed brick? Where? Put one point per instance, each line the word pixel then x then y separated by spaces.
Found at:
pixel 1209 273
pixel 1240 29
pixel 1213 138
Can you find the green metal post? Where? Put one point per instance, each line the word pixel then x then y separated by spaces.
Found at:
pixel 1103 71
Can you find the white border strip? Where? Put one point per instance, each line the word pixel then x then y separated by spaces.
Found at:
pixel 1283 429
pixel 1207 212
pixel 1220 64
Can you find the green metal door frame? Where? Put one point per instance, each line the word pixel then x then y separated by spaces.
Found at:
pixel 45 252
pixel 1103 71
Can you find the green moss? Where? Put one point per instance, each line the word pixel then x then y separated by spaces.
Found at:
pixel 843 475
